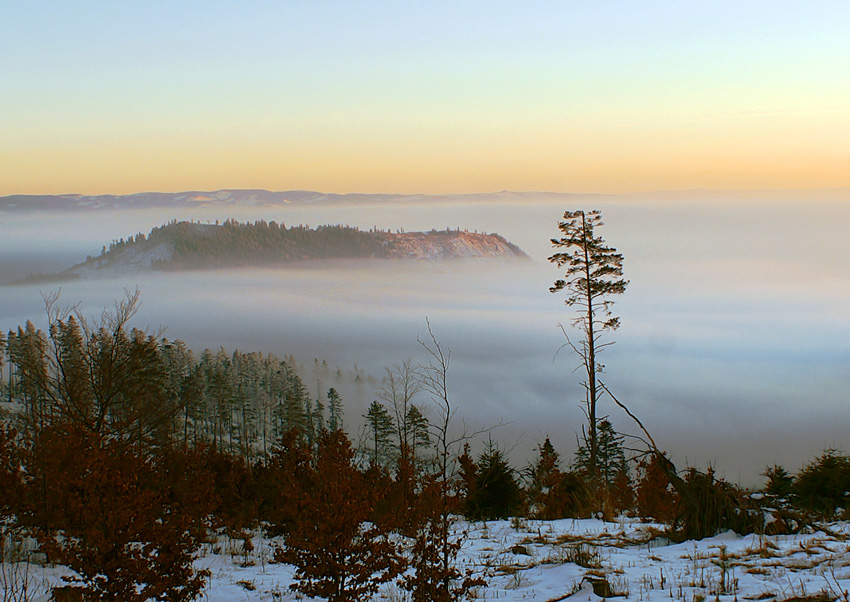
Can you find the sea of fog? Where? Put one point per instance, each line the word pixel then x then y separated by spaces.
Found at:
pixel 734 348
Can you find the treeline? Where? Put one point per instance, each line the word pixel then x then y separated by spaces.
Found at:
pixel 151 388
pixel 122 453
pixel 234 243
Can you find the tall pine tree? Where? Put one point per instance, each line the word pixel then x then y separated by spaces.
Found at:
pixel 594 273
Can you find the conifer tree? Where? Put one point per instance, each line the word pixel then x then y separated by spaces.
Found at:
pixel 497 493
pixel 544 478
pixel 467 481
pixel 2 353
pixel 335 554
pixel 315 414
pixel 380 428
pixel 418 429
pixel 654 495
pixel 335 420
pixel 780 484
pixel 178 362
pixel 319 415
pixel 219 392
pixel 611 458
pixel 28 352
pixel 295 399
pixel 121 537
pixel 96 374
pixel 10 364
pixel 594 273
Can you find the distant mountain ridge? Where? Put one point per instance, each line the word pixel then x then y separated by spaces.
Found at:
pixel 23 203
pixel 192 245
pixel 230 198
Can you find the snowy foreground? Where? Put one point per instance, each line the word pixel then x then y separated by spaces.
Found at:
pixel 549 560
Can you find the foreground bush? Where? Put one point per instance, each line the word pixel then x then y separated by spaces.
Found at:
pixel 708 505
pixel 435 576
pixel 655 496
pixel 337 554
pixel 491 489
pixel 99 509
pixel 553 493
pixel 823 486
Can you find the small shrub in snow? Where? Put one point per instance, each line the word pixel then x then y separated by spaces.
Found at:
pixel 823 486
pixel 337 554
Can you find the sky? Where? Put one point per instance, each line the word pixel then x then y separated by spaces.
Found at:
pixel 437 97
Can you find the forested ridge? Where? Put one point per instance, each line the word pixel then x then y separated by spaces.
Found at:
pixel 234 243
pixel 263 242
pixel 181 245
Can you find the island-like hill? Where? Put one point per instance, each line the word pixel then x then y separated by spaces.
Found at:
pixel 192 245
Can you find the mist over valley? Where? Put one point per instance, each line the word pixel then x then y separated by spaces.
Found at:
pixel 734 324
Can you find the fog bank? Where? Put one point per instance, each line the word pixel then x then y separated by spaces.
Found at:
pixel 733 350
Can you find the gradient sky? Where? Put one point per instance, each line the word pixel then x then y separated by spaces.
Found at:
pixel 340 96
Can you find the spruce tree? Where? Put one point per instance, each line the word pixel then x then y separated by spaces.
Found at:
pixel 337 551
pixel 335 421
pixel 295 398
pixel 544 479
pixel 497 493
pixel 380 428
pixel 780 484
pixel 611 458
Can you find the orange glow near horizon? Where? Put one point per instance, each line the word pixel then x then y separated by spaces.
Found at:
pixel 572 161
pixel 593 99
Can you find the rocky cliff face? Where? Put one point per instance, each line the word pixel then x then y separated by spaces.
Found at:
pixel 448 245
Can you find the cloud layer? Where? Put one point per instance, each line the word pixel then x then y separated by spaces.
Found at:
pixel 733 350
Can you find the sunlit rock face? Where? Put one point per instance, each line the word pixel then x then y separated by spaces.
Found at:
pixel 447 245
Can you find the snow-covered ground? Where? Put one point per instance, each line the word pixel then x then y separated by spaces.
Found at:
pixel 549 560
